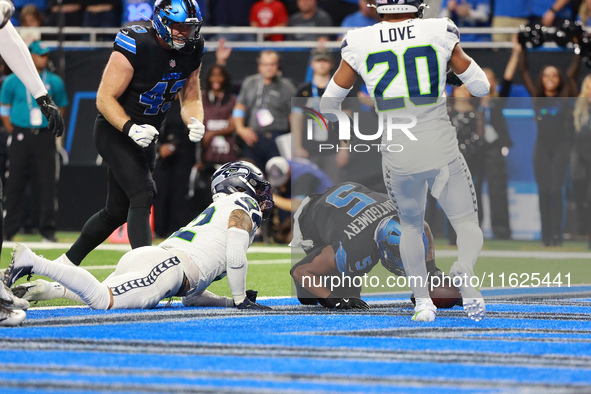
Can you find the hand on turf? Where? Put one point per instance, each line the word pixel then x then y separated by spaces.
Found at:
pixel 253 306
pixel 143 134
pixel 52 113
pixel 352 303
pixel 196 130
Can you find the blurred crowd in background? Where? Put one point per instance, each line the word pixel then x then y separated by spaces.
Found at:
pixel 253 119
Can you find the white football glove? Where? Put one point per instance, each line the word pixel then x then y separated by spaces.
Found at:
pixel 196 130
pixel 143 134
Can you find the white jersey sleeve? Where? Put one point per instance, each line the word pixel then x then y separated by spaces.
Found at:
pixel 204 239
pixel 452 37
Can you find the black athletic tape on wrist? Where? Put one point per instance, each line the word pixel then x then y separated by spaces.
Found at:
pixel 127 126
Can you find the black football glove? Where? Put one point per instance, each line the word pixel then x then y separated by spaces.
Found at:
pixel 52 113
pixel 453 79
pixel 253 306
pixel 252 295
pixel 352 303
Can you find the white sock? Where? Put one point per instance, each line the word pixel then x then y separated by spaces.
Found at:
pixel 78 280
pixel 469 241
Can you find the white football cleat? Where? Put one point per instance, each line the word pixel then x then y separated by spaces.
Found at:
pixel 9 300
pixel 11 318
pixel 474 308
pixel 39 290
pixel 23 261
pixel 471 297
pixel 424 310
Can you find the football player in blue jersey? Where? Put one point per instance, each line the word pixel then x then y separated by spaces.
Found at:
pixel 344 233
pixel 148 68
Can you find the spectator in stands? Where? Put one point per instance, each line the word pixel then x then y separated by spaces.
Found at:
pixel 72 10
pixel 309 15
pixel 218 145
pixel 584 14
pixel 292 182
pixel 102 13
pixel 554 140
pixel 269 13
pixel 339 9
pixel 509 13
pixel 550 12
pixel 496 148
pixel 331 162
pixel 231 13
pixel 262 109
pixel 581 159
pixel 19 5
pixel 176 156
pixel 32 142
pixel 366 16
pixel 468 13
pixel 31 17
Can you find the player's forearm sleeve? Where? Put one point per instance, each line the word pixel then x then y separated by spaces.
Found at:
pixel 16 54
pixel 236 263
pixel 332 98
pixel 205 299
pixel 475 80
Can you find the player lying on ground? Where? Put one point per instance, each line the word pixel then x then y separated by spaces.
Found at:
pixel 344 232
pixel 208 248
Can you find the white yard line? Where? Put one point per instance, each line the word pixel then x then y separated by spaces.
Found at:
pixel 540 254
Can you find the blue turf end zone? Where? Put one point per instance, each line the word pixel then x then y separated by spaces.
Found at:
pixel 535 345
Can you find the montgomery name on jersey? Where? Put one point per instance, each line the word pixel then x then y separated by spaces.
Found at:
pixel 404 65
pixel 346 217
pixel 204 239
pixel 146 102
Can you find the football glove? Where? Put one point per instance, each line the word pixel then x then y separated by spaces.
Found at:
pixel 453 79
pixel 6 11
pixel 52 113
pixel 253 306
pixel 196 130
pixel 143 134
pixel 352 303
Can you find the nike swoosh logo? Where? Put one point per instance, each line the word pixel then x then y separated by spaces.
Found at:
pixel 18 274
pixel 345 299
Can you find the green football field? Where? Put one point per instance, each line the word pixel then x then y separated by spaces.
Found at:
pixel 514 264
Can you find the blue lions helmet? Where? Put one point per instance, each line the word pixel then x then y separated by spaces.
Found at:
pixel 182 15
pixel 387 237
pixel 400 7
pixel 242 176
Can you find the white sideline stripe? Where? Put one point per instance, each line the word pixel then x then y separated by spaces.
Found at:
pixel 250 262
pixel 127 248
pixel 540 254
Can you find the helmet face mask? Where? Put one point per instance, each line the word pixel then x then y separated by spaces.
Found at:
pixel 241 176
pixel 177 23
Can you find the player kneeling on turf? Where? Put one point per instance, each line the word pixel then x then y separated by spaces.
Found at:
pixel 344 232
pixel 207 249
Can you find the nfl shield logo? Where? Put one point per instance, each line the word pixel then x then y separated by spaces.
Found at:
pixel 172 63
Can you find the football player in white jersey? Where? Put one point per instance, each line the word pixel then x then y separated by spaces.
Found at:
pixel 207 249
pixel 403 60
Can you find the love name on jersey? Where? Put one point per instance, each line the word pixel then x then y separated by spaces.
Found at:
pixel 371 215
pixel 397 33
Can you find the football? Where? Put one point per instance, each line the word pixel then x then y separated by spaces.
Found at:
pixel 446 295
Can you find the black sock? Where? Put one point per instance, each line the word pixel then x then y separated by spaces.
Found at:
pixel 138 227
pixel 95 231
